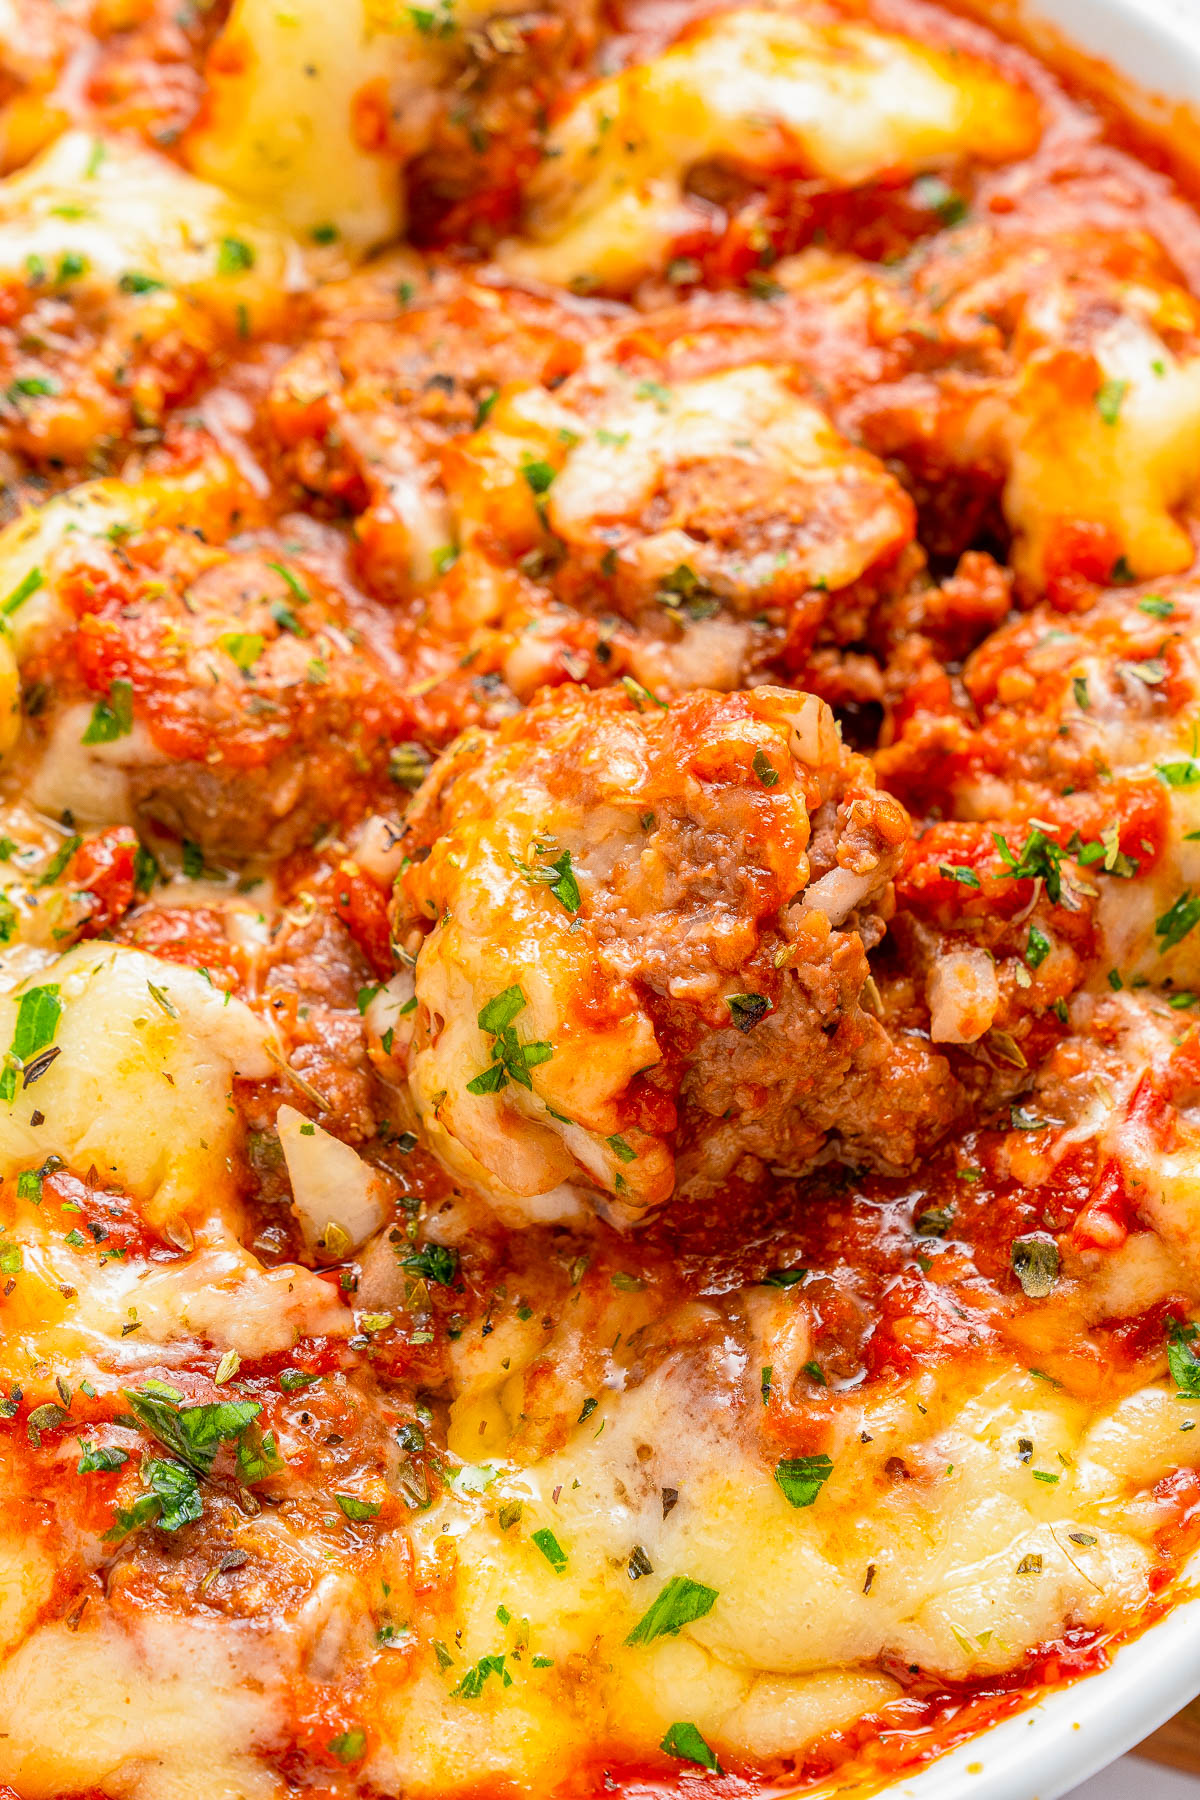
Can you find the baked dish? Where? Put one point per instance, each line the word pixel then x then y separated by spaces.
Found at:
pixel 599 894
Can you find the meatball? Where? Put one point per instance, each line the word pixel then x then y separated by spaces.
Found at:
pixel 1059 372
pixel 1081 730
pixel 401 357
pixel 113 314
pixel 234 693
pixel 640 934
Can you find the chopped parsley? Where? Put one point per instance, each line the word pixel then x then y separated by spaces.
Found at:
pixel 511 1060
pixel 680 1602
pixel 558 876
pixel 100 1459
pixel 1037 949
pixel 292 1379
pixel 655 391
pixel 684 1741
pixel 257 1457
pixel 1109 397
pixel 299 592
pixel 934 195
pixel 551 1549
pixel 234 256
pixel 31 387
pixel 351 1745
pixel 58 862
pixel 134 282
pixel 111 718
pixel 172 1500
pixel 471 1685
pixel 639 694
pixel 1184 773
pixel 243 647
pixel 38 1012
pixel 1040 859
pixel 357 1509
pixel 432 1262
pixel 801 1478
pixel 1182 1360
pixel 957 872
pixel 1180 918
pixel 433 22
pixel 193 1433
pixel 765 769
pixel 25 589
pixel 538 474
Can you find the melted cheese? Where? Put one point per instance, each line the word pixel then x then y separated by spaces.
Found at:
pixel 164 1713
pixel 141 224
pixel 737 423
pixel 735 482
pixel 73 1309
pixel 141 1086
pixel 311 109
pixel 760 90
pixel 1111 436
pixel 792 1638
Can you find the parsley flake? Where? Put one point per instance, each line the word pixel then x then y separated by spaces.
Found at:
pixel 680 1602
pixel 801 1478
pixel 684 1741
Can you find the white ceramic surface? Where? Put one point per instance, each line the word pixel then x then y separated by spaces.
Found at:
pixel 1048 1750
pixel 1130 1777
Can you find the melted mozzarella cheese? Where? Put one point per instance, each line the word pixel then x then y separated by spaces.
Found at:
pixel 88 780
pixel 73 1310
pixel 762 90
pixel 311 108
pixel 1110 436
pixel 167 1713
pixel 280 124
pixel 969 1559
pixel 141 224
pixel 738 422
pixel 26 1568
pixel 142 1084
pixel 735 482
